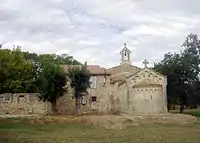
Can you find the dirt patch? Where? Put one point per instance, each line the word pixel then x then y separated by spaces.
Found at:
pixel 51 119
pixel 115 121
pixel 180 119
pixel 120 122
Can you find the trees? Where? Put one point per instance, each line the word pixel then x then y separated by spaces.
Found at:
pixel 24 72
pixel 52 83
pixel 52 79
pixel 20 70
pixel 15 74
pixel 40 61
pixel 182 70
pixel 168 66
pixel 66 59
pixel 63 59
pixel 79 81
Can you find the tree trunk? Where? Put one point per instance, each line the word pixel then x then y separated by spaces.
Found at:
pixel 183 103
pixel 174 106
pixel 169 106
pixel 78 106
pixel 54 110
pixel 182 108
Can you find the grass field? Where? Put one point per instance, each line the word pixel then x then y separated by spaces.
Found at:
pixel 24 130
pixel 193 112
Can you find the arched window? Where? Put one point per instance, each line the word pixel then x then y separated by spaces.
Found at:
pixel 125 55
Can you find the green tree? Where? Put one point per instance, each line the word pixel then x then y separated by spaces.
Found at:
pixel 33 58
pixel 182 70
pixel 79 81
pixel 169 66
pixel 52 83
pixel 39 61
pixel 63 59
pixel 15 74
pixel 191 56
pixel 66 59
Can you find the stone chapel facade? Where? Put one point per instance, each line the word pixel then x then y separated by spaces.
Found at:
pixel 138 90
pixel 124 88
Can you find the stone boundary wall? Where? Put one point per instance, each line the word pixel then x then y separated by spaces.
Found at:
pixel 23 104
pixel 29 103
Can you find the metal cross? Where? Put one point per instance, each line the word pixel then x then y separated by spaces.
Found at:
pixel 145 63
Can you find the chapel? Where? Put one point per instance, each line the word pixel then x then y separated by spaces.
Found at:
pixel 124 89
pixel 139 90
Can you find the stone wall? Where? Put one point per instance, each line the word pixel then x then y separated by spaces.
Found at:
pixel 143 93
pixel 102 93
pixel 66 105
pixel 23 104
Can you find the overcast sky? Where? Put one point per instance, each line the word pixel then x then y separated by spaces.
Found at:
pixel 95 30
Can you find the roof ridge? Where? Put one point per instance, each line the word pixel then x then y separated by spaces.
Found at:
pixel 148 69
pixel 124 64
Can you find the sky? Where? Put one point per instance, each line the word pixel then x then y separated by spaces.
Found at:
pixel 96 30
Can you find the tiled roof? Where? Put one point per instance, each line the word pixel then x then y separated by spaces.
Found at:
pixel 122 71
pixel 120 76
pixel 93 69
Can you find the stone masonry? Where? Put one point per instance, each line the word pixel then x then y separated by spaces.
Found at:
pixel 124 88
pixel 22 104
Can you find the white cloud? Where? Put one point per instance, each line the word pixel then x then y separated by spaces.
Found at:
pixel 91 42
pixel 96 30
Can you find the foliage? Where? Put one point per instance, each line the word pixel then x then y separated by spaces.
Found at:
pixel 52 83
pixel 19 71
pixel 25 72
pixel 80 81
pixel 63 59
pixel 182 70
pixel 15 72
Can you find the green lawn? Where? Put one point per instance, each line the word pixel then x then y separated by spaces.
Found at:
pixel 23 130
pixel 193 112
